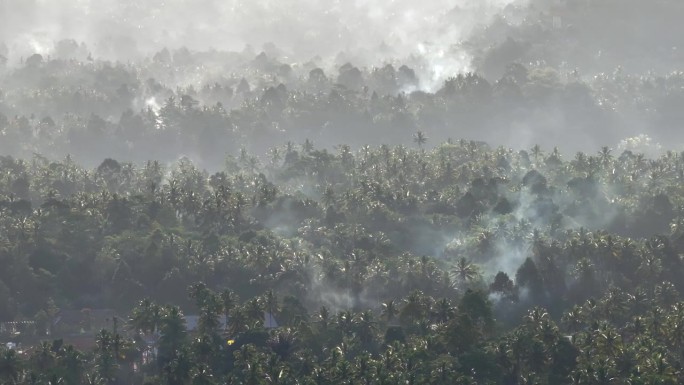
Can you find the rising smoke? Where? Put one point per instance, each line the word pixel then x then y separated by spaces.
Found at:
pixel 367 32
pixel 577 83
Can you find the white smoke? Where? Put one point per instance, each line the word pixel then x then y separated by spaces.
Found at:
pixel 641 144
pixel 374 31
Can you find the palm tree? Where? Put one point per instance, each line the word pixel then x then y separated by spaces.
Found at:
pixel 346 321
pixel 580 163
pixel 554 159
pixel 308 146
pixel 464 271
pixel 10 366
pixel 209 305
pixel 537 153
pixel 209 315
pixel 43 357
pixel 605 156
pixel 72 361
pixel 573 320
pixel 275 156
pixel 270 302
pixel 238 321
pixel 329 196
pixel 389 310
pixel 144 317
pixel 420 139
pixel 608 340
pixel 106 361
pixel 323 317
pixel 650 267
pixel 414 308
pixel 230 302
pixel 201 375
pixel 178 371
pixel 173 334
pixel 366 326
pixel 282 342
pixel 443 311
pixel 254 310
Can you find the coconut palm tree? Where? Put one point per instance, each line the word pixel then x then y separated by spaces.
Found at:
pixel 390 310
pixel 144 317
pixel 420 139
pixel 443 311
pixel 464 271
pixel 173 334
pixel 10 366
pixel 230 301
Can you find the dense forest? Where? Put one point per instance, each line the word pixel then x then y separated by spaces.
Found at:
pixel 384 265
pixel 503 208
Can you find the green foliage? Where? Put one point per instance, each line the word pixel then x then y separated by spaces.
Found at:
pixel 411 272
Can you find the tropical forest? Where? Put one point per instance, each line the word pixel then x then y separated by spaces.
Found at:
pixel 321 193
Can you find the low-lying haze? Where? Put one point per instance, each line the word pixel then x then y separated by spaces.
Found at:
pixel 572 74
pixel 364 30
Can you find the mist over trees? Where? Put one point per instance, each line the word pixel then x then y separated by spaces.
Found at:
pixel 132 112
pixel 527 73
pixel 305 192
